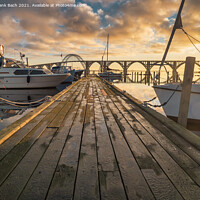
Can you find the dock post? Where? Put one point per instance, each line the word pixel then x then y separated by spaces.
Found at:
pixel 167 77
pixel 125 71
pixel 186 91
pixel 174 71
pixel 27 62
pixel 87 70
pixel 104 66
pixel 135 77
pixel 148 72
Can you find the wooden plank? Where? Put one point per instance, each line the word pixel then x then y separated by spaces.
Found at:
pixel 186 91
pixel 62 185
pixel 9 144
pixel 87 183
pixel 135 184
pixel 45 170
pixel 16 154
pixel 179 141
pixel 187 163
pixel 17 180
pixel 7 132
pixel 169 128
pixel 111 186
pixel 42 173
pixel 156 178
pixel 20 134
pixel 59 118
pixel 184 160
pixel 185 185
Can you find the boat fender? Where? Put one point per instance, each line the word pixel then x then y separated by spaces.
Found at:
pixel 28 79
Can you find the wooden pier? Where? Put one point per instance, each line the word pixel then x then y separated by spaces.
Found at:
pixel 92 141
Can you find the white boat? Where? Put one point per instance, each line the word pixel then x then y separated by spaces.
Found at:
pixel 171 109
pixel 62 70
pixel 110 76
pixel 15 76
pixel 75 74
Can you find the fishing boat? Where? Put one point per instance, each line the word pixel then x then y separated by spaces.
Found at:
pixel 171 93
pixel 14 75
pixel 111 76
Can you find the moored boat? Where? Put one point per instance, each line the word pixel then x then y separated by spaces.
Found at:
pixel 110 76
pixel 171 93
pixel 75 74
pixel 16 76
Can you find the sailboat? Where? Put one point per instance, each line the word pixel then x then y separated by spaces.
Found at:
pixel 109 75
pixel 169 95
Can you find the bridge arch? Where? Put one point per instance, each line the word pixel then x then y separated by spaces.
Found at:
pixel 157 63
pixel 180 69
pixel 94 65
pixel 110 64
pixel 70 57
pixel 132 63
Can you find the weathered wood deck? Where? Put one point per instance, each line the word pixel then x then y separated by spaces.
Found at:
pixel 95 143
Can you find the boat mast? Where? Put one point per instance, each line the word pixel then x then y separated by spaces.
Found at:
pixel 2 60
pixel 106 48
pixel 177 25
pixel 107 45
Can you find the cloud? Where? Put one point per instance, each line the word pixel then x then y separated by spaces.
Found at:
pixel 100 12
pixel 137 28
pixel 36 1
pixel 103 2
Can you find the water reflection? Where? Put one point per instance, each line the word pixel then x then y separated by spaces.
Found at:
pixel 10 113
pixel 27 95
pixel 141 92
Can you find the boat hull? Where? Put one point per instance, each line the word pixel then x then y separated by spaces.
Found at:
pixel 70 78
pixel 32 81
pixel 171 109
pixel 110 76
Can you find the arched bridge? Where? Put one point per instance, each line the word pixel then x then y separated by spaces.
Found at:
pixel 125 64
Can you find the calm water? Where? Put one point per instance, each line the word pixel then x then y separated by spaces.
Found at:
pixel 10 114
pixel 141 92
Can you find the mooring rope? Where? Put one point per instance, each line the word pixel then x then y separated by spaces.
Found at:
pixel 27 104
pixel 146 103
pixel 189 37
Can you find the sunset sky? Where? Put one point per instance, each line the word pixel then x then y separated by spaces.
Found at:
pixel 139 29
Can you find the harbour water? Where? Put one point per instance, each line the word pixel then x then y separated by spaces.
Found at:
pixel 11 113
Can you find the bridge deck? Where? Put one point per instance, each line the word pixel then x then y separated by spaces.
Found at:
pixel 95 143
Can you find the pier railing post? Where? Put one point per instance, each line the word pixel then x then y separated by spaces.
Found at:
pixel 174 72
pixel 87 70
pixel 105 66
pixel 186 91
pixel 148 72
pixel 125 71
